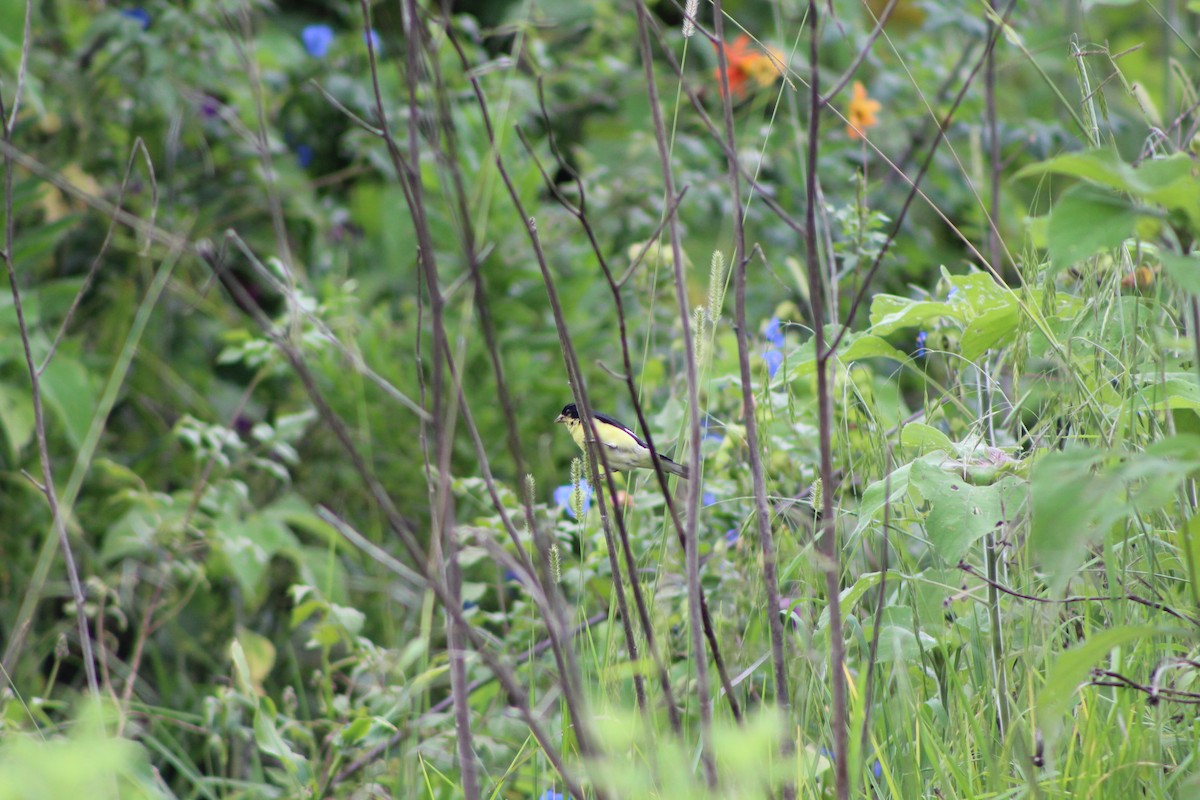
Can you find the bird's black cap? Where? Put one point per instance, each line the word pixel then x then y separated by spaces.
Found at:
pixel 570 411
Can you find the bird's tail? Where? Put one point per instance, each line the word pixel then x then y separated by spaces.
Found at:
pixel 673 468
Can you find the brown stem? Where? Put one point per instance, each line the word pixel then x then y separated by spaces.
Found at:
pixel 741 260
pixel 692 552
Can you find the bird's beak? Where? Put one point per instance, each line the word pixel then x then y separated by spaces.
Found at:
pixel 560 418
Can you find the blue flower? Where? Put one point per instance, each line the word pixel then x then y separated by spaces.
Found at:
pixel 469 604
pixel 710 435
pixel 921 339
pixel 708 499
pixel 550 794
pixel 773 358
pixel 210 107
pixel 374 39
pixel 774 332
pixel 953 291
pixel 317 39
pixel 562 497
pixel 304 154
pixel 731 536
pixel 139 15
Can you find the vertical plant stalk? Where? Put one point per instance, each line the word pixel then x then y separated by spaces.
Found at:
pixel 827 543
pixel 762 513
pixel 580 213
pixel 692 553
pixel 442 411
pixel 46 487
pixel 990 550
pixel 595 457
pixel 554 608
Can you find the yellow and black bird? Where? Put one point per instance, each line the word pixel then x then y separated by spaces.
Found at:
pixel 624 449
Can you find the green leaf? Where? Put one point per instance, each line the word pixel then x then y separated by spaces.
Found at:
pixel 1071 668
pixel 1078 497
pixel 68 392
pixel 1087 220
pixel 1184 270
pixel 898 644
pixel 990 329
pixel 1167 182
pixel 979 291
pixel 259 656
pixel 1174 390
pixel 354 732
pixel 889 489
pixel 961 513
pixel 1071 507
pixel 1104 167
pixel 241 670
pixel 16 419
pixel 890 313
pixel 869 347
pixel 851 595
pixel 270 740
pixel 925 439
pixel 246 548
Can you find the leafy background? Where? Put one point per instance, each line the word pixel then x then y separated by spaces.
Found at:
pixel 1013 444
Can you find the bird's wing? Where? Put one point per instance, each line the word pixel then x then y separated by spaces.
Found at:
pixel 622 426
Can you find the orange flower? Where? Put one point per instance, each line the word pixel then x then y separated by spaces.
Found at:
pixel 861 114
pixel 1141 278
pixel 744 64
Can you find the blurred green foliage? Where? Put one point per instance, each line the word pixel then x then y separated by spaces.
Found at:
pixel 251 652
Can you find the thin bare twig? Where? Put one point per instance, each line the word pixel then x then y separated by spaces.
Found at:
pixel 740 260
pixel 692 553
pixel 827 529
pixel 862 53
pixel 403 530
pixel 443 410
pixel 1133 598
pixel 39 417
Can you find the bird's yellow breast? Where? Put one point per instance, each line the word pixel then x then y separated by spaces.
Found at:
pixel 622 450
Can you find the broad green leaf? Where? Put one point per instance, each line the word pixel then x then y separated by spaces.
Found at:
pixel 1087 220
pixel 246 547
pixel 1078 497
pixel 1177 390
pixel 1071 668
pixel 925 439
pixel 1184 270
pixel 990 329
pixel 1071 507
pixel 16 418
pixel 1104 167
pixel 961 513
pixel 69 393
pixel 1172 183
pixel 890 313
pixel 355 731
pixel 1167 182
pixel 870 347
pixel 979 291
pixel 890 489
pixel 270 740
pixel 259 656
